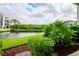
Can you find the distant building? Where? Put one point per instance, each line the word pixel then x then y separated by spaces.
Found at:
pixel 70 22
pixel 4 21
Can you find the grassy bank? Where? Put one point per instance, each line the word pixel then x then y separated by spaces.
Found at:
pixel 4 30
pixel 12 42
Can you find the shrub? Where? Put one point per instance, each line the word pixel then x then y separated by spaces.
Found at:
pixel 41 46
pixel 76 37
pixel 48 29
pixel 60 33
pixel 28 28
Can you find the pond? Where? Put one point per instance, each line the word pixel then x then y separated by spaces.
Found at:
pixel 13 35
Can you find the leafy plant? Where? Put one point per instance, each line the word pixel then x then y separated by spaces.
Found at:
pixel 61 33
pixel 48 29
pixel 41 46
pixel 76 37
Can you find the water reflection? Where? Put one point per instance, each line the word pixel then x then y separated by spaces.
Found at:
pixel 11 35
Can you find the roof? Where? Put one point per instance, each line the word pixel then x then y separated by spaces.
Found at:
pixel 69 21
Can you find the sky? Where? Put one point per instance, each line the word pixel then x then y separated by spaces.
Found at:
pixel 39 13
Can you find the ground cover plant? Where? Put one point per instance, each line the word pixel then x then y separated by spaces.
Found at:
pixel 41 46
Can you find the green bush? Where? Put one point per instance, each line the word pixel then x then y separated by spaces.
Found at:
pixel 76 37
pixel 61 33
pixel 48 29
pixel 41 46
pixel 4 30
pixel 27 28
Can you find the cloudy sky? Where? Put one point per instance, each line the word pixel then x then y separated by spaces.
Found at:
pixel 39 13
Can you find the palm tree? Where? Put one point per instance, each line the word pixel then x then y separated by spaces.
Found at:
pixel 15 22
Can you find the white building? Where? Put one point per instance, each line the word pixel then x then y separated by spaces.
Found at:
pixel 77 10
pixel 71 22
pixel 4 21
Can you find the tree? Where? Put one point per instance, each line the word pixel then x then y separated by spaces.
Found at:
pixel 14 22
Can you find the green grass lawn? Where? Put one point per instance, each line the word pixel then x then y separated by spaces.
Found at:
pixel 13 42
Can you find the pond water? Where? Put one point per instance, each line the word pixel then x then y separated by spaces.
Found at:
pixel 12 35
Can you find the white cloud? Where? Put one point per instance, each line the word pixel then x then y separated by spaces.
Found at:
pixel 39 13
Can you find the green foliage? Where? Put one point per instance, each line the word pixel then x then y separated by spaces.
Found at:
pixel 48 29
pixel 75 27
pixel 76 37
pixel 41 46
pixel 60 33
pixel 4 30
pixel 14 22
pixel 28 28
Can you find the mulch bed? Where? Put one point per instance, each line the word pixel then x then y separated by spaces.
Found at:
pixel 64 51
pixel 15 50
pixel 61 51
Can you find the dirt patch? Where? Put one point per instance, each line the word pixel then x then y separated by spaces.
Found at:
pixel 15 50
